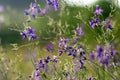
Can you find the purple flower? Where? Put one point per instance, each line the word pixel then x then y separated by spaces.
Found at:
pixel 84 58
pixel 53 3
pixel 26 12
pixel 29 33
pixel 105 60
pixel 60 52
pixel 63 42
pixel 46 60
pixel 92 56
pixel 38 10
pixel 80 51
pixel 50 47
pixel 33 10
pixel 44 11
pixel 23 34
pixel 79 31
pixel 54 59
pixel 37 75
pixel 95 22
pixel 50 2
pixel 98 10
pixel 108 23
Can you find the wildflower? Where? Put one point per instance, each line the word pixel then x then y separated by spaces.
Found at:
pixel 46 60
pixel 26 12
pixel 31 33
pixel 95 22
pixel 23 34
pixel 54 59
pixel 108 23
pixel 44 11
pixel 63 42
pixel 28 33
pixel 50 47
pixel 60 52
pixel 98 10
pixel 37 74
pixel 80 50
pixel 53 3
pixel 92 56
pixel 79 31
pixel 99 51
pixel 33 10
pixel 84 58
pixel 105 60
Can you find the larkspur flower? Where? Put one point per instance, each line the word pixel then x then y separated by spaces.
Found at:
pixel 46 60
pixel 33 10
pixel 44 11
pixel 79 31
pixel 92 56
pixel 26 12
pixel 23 34
pixel 53 3
pixel 99 51
pixel 98 10
pixel 29 33
pixel 94 22
pixel 54 59
pixel 105 60
pixel 80 50
pixel 50 47
pixel 60 52
pixel 108 23
pixel 37 75
pixel 30 30
pixel 63 42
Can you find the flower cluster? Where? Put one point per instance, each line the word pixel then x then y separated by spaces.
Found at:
pixel 29 33
pixel 74 50
pixel 103 55
pixel 50 47
pixel 95 22
pixel 98 10
pixel 33 10
pixel 53 3
pixel 43 65
pixel 79 31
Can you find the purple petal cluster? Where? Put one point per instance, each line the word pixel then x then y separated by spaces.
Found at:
pixel 79 31
pixel 54 59
pixel 108 23
pixel 98 10
pixel 28 33
pixel 33 10
pixel 63 42
pixel 50 47
pixel 53 3
pixel 94 22
pixel 43 65
pixel 103 56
